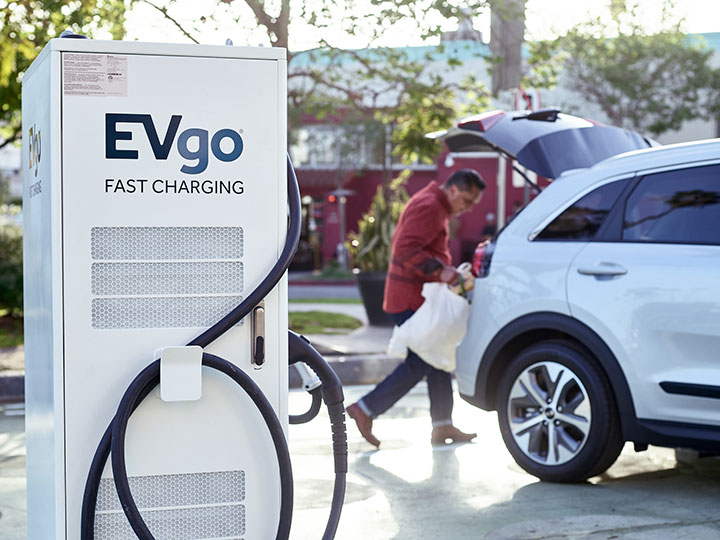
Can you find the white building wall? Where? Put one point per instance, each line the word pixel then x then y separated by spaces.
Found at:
pixel 10 169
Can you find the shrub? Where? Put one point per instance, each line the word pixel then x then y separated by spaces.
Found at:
pixel 11 269
pixel 370 245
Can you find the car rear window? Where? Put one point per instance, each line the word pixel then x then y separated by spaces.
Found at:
pixel 673 207
pixel 581 221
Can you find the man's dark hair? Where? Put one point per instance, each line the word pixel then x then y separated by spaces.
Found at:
pixel 465 179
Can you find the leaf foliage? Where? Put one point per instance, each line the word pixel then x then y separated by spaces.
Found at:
pixel 648 82
pixel 25 28
pixel 370 80
pixel 370 246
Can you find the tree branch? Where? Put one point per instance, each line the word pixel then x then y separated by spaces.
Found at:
pixel 283 22
pixel 258 9
pixel 354 97
pixel 12 138
pixel 164 11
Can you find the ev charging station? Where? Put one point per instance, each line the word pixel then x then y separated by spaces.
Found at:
pixel 154 203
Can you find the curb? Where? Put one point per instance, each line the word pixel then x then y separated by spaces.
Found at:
pixel 12 386
pixel 323 282
pixel 351 369
pixel 356 369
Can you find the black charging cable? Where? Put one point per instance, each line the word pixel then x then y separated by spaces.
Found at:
pixel 300 350
pixel 276 272
pixel 312 412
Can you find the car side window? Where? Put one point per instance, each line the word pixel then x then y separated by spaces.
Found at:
pixel 680 206
pixel 581 221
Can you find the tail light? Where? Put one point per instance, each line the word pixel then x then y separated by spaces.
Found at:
pixel 481 258
pixel 481 122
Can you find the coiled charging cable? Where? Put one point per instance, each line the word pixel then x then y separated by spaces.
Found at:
pixel 113 440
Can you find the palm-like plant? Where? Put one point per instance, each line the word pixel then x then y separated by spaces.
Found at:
pixel 370 246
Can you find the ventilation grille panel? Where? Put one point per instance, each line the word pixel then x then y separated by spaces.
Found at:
pixel 226 522
pixel 161 312
pixel 163 243
pixel 165 277
pixel 159 491
pixel 193 506
pixel 113 279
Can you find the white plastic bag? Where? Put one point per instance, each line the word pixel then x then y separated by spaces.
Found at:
pixel 435 329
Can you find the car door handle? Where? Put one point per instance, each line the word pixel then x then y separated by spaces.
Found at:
pixel 602 269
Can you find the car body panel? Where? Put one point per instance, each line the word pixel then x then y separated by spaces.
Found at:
pixel 525 277
pixel 482 327
pixel 669 298
pixel 661 320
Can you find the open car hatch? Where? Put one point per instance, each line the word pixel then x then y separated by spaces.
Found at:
pixel 547 142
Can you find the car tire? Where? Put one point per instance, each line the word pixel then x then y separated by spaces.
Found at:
pixel 557 413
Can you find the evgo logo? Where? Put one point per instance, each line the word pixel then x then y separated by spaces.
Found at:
pixel 34 148
pixel 192 143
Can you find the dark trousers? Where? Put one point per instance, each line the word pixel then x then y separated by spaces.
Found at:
pixel 404 378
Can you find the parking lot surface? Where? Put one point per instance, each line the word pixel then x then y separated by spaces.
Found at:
pixel 411 490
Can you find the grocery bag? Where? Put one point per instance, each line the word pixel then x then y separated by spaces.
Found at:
pixel 435 329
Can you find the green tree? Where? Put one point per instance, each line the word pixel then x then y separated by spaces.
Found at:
pixel 379 82
pixel 26 26
pixel 11 269
pixel 648 82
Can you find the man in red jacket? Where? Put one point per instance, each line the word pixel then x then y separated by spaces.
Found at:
pixel 420 254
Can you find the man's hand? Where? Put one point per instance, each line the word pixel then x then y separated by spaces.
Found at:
pixel 449 274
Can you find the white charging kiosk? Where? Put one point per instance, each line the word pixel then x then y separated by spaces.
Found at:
pixel 154 200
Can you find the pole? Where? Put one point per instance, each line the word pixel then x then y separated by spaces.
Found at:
pixel 501 183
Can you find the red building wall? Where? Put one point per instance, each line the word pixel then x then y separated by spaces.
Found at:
pixel 466 231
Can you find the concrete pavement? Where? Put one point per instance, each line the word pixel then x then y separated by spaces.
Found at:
pixel 409 490
pixel 12 374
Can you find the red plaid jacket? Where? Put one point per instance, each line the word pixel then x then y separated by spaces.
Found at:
pixel 419 248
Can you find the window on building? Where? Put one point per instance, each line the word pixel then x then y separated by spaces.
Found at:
pixel 315 145
pixel 345 146
pixel 299 151
pixel 322 143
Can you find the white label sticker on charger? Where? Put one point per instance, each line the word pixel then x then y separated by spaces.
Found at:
pixel 86 74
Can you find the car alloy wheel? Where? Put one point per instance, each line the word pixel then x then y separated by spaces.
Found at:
pixel 557 412
pixel 549 413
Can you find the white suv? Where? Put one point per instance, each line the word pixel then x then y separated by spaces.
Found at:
pixel 595 317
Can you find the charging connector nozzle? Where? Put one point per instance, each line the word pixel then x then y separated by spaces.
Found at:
pixel 310 381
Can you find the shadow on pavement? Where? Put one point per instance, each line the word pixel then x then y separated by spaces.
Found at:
pixel 678 502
